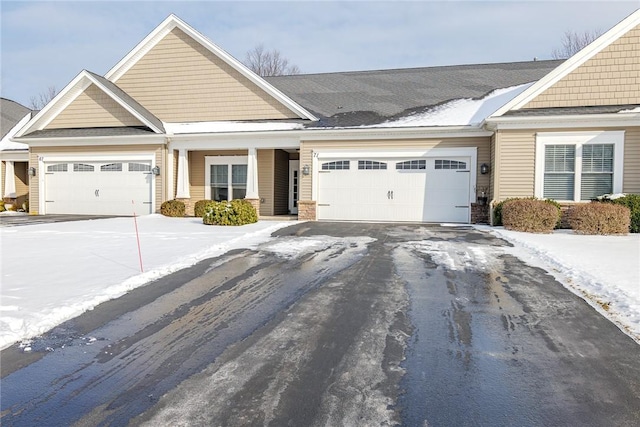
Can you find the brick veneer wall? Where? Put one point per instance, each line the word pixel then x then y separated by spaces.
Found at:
pixel 306 210
pixel 256 204
pixel 189 206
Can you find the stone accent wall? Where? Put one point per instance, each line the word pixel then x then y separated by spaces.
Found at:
pixel 189 205
pixel 306 210
pixel 479 213
pixel 256 204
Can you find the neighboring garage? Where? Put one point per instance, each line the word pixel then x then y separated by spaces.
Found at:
pixel 396 186
pixel 105 187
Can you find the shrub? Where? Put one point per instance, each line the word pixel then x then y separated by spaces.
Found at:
pixel 600 218
pixel 235 212
pixel 497 210
pixel 172 208
pixel 530 215
pixel 201 207
pixel 2 208
pixel 632 201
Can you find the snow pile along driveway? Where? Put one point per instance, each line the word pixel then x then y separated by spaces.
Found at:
pixel 53 272
pixel 604 270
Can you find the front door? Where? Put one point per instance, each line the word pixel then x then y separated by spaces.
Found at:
pixel 294 185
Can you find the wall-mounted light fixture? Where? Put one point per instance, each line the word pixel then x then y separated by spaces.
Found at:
pixel 32 171
pixel 305 170
pixel 156 170
pixel 484 169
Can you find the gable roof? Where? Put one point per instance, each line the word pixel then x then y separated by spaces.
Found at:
pixel 572 63
pixel 11 113
pixel 370 97
pixel 77 87
pixel 172 22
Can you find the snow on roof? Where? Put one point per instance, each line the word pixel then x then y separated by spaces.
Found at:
pixel 460 112
pixel 6 144
pixel 221 127
pixel 633 110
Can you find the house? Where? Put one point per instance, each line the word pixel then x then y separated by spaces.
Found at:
pixel 179 118
pixel 14 156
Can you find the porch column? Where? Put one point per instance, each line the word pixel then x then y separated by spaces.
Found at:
pixel 182 188
pixel 9 180
pixel 252 174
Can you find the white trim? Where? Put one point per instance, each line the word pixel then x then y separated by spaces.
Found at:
pixel 9 189
pixel 81 141
pixel 172 22
pixel 220 160
pixel 252 174
pixel 564 121
pixel 102 157
pixel 294 165
pixel 571 64
pixel 14 156
pixel 168 179
pixel 579 139
pixel 183 186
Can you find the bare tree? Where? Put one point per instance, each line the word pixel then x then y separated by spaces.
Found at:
pixel 43 98
pixel 572 42
pixel 269 63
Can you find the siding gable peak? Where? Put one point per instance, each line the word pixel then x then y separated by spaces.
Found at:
pixel 571 64
pixel 77 87
pixel 169 25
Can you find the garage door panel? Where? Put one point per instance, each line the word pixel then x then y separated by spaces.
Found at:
pixel 424 189
pixel 106 188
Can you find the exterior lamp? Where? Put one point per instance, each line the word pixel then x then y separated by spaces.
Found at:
pixel 484 169
pixel 305 170
pixel 156 170
pixel 32 171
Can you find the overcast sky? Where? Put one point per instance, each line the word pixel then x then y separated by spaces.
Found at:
pixel 48 43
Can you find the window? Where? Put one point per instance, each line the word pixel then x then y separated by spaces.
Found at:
pixel 139 167
pixel 111 167
pixel 450 164
pixel 226 177
pixel 371 164
pixel 337 165
pixel 578 166
pixel 239 181
pixel 82 167
pixel 411 165
pixel 60 167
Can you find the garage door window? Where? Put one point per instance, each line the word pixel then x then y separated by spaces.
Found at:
pixel 60 167
pixel 337 165
pixel 82 167
pixel 449 164
pixel 411 165
pixel 371 165
pixel 111 167
pixel 139 167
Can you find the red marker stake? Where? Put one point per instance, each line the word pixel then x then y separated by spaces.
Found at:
pixel 135 221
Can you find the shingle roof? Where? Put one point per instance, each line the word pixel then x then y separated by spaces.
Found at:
pixel 564 111
pixel 368 97
pixel 11 113
pixel 88 132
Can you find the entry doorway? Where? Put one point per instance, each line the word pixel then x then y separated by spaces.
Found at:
pixel 294 185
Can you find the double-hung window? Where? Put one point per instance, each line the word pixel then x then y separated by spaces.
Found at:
pixel 578 166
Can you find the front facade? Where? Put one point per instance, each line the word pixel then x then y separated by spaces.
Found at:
pixel 179 118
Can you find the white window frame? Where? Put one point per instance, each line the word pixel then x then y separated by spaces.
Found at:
pixel 221 160
pixel 579 139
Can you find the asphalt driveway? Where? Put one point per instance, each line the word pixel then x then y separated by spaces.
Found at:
pixel 336 324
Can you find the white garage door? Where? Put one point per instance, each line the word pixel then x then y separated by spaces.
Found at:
pixel 434 189
pixel 103 188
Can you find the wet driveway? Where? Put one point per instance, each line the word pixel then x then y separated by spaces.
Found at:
pixel 334 324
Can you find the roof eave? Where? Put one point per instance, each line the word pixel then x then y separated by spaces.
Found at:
pixel 563 121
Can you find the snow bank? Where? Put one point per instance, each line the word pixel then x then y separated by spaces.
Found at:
pixel 53 272
pixel 220 127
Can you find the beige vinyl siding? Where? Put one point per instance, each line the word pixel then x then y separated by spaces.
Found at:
pixel 612 77
pixel 266 164
pixel 179 80
pixel 281 183
pixel 93 108
pixel 307 147
pixel 120 150
pixel 515 164
pixel 197 171
pixel 631 180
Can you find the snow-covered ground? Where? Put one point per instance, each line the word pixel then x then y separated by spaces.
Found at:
pixel 50 273
pixel 604 270
pixel 53 272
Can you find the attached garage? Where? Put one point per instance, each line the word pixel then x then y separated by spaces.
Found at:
pixel 99 187
pixel 396 186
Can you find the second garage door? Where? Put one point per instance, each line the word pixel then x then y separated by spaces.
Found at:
pixel 102 188
pixel 431 189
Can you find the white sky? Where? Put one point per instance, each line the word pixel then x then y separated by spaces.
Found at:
pixel 48 43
